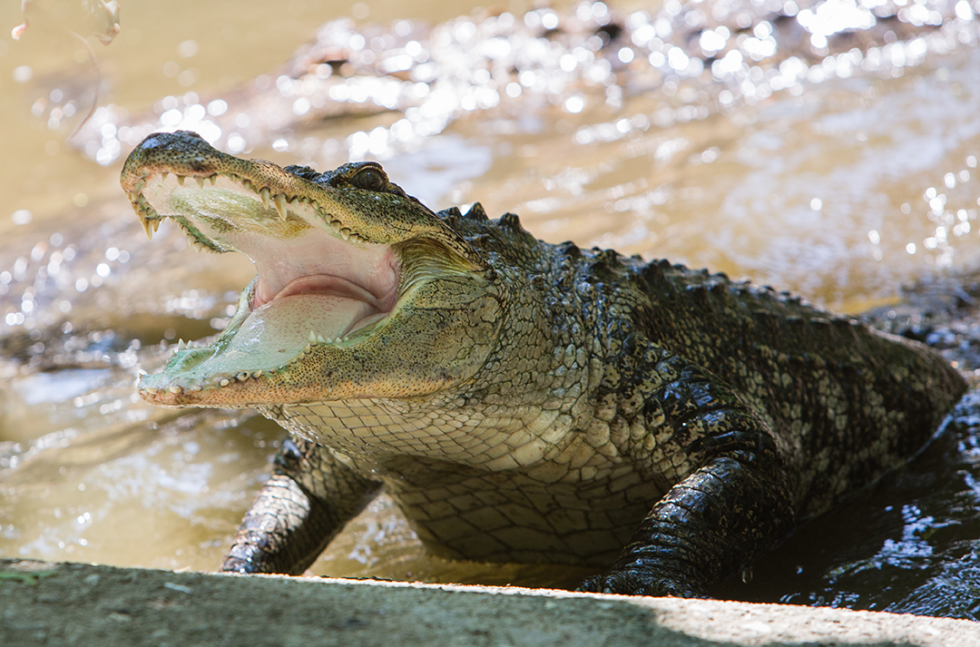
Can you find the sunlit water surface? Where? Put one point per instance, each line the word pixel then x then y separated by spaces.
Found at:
pixel 841 175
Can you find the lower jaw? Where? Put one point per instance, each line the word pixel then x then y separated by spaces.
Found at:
pixel 274 335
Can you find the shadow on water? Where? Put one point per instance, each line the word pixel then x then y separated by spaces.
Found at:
pixel 907 546
pixel 841 168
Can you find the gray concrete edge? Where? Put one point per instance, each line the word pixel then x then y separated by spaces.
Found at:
pixel 46 603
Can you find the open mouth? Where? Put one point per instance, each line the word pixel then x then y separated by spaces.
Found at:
pixel 315 285
pixel 341 260
pixel 318 283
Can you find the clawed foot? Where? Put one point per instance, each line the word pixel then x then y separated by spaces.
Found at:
pixel 634 582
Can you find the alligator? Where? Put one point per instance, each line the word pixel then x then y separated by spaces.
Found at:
pixel 520 401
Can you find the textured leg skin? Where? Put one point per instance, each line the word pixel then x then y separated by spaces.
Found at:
pixel 308 500
pixel 708 526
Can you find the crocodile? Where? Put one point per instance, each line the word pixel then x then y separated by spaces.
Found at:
pixel 520 401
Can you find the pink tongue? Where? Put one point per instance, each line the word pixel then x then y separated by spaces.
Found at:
pixel 281 328
pixel 322 284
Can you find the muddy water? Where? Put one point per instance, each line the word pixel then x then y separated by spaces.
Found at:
pixel 841 176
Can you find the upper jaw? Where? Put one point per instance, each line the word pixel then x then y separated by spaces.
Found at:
pixel 350 215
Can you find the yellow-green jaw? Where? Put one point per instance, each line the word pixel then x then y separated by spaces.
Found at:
pixel 360 292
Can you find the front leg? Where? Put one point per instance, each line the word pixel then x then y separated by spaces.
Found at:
pixel 710 525
pixel 308 500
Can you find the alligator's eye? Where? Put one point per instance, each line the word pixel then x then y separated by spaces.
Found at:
pixel 370 179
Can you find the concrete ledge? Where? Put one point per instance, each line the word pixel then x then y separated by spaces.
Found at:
pixel 43 603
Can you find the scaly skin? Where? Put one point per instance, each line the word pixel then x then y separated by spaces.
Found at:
pixel 522 401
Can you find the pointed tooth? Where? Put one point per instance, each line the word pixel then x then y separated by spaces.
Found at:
pixel 181 345
pixel 155 224
pixel 213 178
pixel 265 197
pixel 148 228
pixel 199 180
pixel 337 225
pixel 280 201
pixel 176 390
pixel 312 337
pixel 345 233
pixel 257 374
pixel 151 390
pixel 163 176
pixel 241 377
pixel 180 179
pixel 320 339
